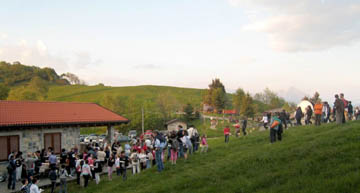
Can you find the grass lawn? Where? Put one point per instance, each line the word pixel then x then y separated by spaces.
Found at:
pixel 309 159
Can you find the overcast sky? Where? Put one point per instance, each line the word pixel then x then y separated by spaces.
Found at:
pixel 310 45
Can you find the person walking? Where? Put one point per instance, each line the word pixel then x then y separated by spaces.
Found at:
pixel 339 107
pixel 97 169
pixel 357 113
pixel 282 117
pixel 63 176
pixel 204 144
pixel 86 173
pixel 298 115
pixel 53 178
pixel 124 162
pixel 309 113
pixel 275 130
pixel 110 164
pixel 244 125
pixel 318 108
pixel 226 134
pixel 265 121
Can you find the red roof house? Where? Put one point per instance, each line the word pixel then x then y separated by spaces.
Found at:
pixel 29 126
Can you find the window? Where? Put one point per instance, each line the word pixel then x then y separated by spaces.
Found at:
pixel 53 140
pixel 8 144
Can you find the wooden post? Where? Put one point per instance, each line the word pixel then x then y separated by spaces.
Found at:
pixel 110 134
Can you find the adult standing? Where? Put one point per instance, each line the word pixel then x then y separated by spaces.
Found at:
pixel 350 110
pixel 298 115
pixel 309 113
pixel 346 103
pixel 283 118
pixel 159 145
pixel 318 112
pixel 226 134
pixel 326 112
pixel 275 128
pixel 339 107
pixel 11 168
pixel 244 125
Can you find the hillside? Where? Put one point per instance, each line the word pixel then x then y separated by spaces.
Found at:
pixel 95 94
pixel 309 159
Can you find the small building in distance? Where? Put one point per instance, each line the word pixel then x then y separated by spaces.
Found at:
pixel 173 125
pixel 29 126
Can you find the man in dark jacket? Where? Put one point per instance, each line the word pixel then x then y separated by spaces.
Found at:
pixel 283 118
pixel 244 125
pixel 350 110
pixel 12 173
pixel 298 115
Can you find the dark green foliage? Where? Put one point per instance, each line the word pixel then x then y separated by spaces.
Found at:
pixel 4 91
pixel 19 74
pixel 188 110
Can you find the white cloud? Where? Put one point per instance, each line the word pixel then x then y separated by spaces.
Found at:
pixel 305 25
pixel 3 36
pixel 147 66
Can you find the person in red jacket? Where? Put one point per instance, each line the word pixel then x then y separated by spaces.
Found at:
pixel 227 133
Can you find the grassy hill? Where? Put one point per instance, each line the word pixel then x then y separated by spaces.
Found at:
pixel 309 159
pixel 95 94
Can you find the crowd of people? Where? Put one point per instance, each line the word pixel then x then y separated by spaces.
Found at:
pixel 139 154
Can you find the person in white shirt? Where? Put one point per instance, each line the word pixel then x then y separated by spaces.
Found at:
pixel 135 162
pixel 142 158
pixel 86 173
pixel 34 188
pixel 265 120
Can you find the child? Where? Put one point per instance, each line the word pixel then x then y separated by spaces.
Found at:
pixel 124 162
pixel 204 144
pixel 97 169
pixel 86 173
pixel 53 177
pixel 142 158
pixel 117 165
pixel 63 176
pixel 149 158
pixel 26 186
pixel 174 149
pixel 135 162
pixel 110 163
pixel 34 187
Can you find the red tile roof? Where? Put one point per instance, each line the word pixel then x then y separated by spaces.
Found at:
pixel 31 113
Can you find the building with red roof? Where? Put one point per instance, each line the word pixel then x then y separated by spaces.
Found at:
pixel 29 126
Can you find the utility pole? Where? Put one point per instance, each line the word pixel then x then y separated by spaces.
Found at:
pixel 142 120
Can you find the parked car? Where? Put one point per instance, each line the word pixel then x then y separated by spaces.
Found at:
pixel 147 134
pixel 82 138
pixel 123 138
pixel 132 133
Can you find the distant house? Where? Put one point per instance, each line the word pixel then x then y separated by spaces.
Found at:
pixel 230 112
pixel 208 108
pixel 31 126
pixel 173 125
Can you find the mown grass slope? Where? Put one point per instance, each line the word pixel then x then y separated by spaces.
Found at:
pixel 80 93
pixel 309 159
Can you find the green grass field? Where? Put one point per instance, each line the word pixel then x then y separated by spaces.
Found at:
pixel 80 93
pixel 309 159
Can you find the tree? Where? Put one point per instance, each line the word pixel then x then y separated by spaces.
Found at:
pixel 237 99
pixel 4 92
pixel 188 112
pixel 216 95
pixel 247 107
pixel 270 98
pixel 73 79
